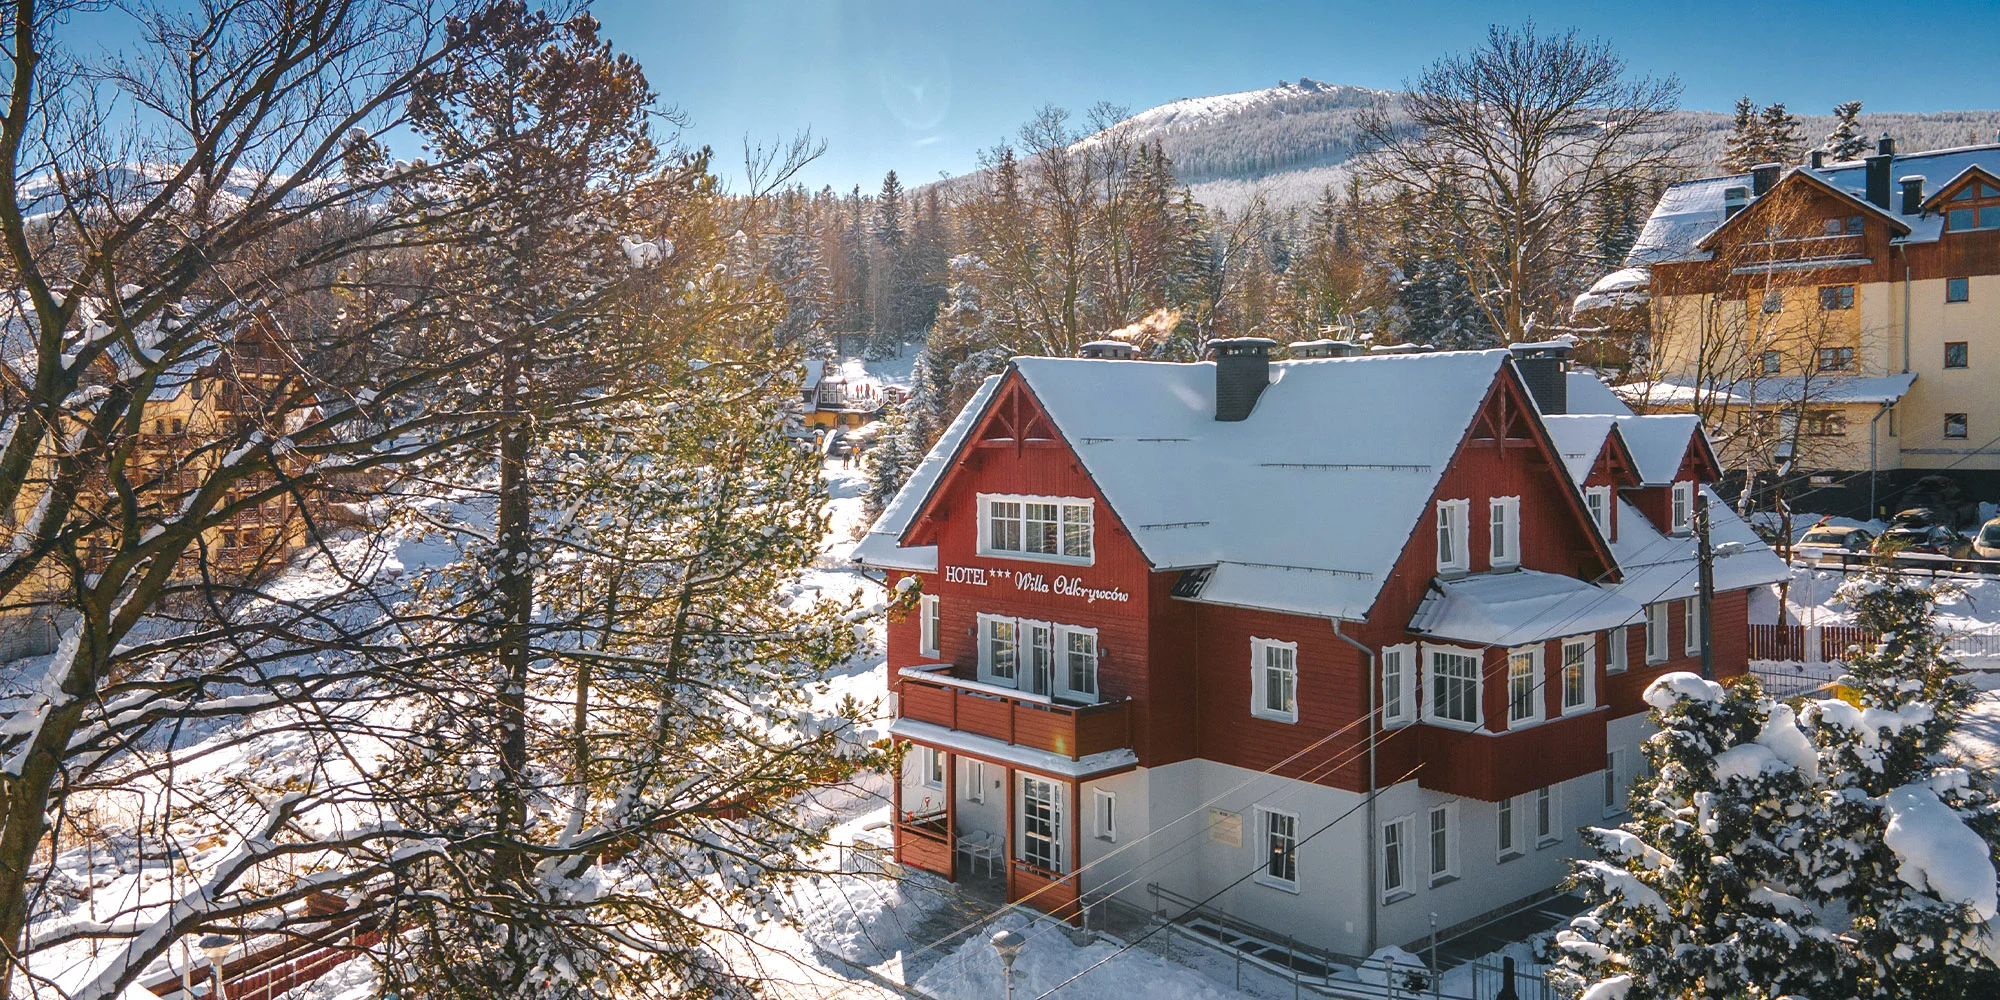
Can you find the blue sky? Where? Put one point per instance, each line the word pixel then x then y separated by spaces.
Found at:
pixel 922 87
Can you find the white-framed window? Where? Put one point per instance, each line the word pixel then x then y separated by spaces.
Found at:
pixel 1614 803
pixel 1399 685
pixel 930 766
pixel 1280 833
pixel 1618 647
pixel 1396 874
pixel 1452 683
pixel 1579 674
pixel 1683 507
pixel 1656 632
pixel 1443 842
pixel 999 650
pixel 1524 686
pixel 1079 672
pixel 1047 658
pixel 972 779
pixel 1041 639
pixel 1597 499
pixel 927 625
pixel 1040 823
pixel 1451 535
pixel 1507 829
pixel 1548 816
pixel 1274 680
pixel 1050 529
pixel 1104 813
pixel 1504 538
pixel 1691 617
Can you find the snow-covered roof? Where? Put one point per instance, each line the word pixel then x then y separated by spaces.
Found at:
pixel 1579 439
pixel 1294 507
pixel 1687 212
pixel 1661 567
pixel 1659 443
pixel 1519 607
pixel 815 370
pixel 1198 492
pixel 1621 289
pixel 1782 389
pixel 879 546
pixel 1589 394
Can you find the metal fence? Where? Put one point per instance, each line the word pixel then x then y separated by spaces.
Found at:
pixel 1832 643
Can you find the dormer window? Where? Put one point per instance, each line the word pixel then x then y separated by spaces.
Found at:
pixel 1683 512
pixel 1977 206
pixel 1452 516
pixel 1504 548
pixel 1054 529
pixel 1598 500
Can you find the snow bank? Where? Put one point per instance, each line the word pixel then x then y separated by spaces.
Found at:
pixel 972 970
pixel 1869 723
pixel 864 920
pixel 1786 741
pixel 1407 966
pixel 1939 853
pixel 1746 761
pixel 1672 689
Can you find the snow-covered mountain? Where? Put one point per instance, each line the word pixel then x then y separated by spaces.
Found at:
pixel 1289 142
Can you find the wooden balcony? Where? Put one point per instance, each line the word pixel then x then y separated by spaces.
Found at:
pixel 1034 721
pixel 1495 766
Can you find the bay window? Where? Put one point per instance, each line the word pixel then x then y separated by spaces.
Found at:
pixel 1453 685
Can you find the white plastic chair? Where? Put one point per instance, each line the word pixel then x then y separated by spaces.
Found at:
pixel 978 846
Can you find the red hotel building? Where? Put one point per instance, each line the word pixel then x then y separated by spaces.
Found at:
pixel 1340 642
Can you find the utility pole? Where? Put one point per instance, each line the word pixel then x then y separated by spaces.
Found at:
pixel 1705 587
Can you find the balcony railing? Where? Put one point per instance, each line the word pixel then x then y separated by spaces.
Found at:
pixel 931 695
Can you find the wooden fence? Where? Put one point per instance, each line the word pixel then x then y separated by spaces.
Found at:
pixel 1830 643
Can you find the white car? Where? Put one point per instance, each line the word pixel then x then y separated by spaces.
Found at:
pixel 1986 544
pixel 1826 543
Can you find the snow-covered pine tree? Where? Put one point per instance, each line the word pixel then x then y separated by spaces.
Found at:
pixel 890 268
pixel 1695 896
pixel 889 462
pixel 1442 310
pixel 1783 138
pixel 1906 838
pixel 795 266
pixel 1845 141
pixel 1743 148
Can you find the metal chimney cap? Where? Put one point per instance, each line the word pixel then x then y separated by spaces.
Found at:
pixel 1911 179
pixel 1242 345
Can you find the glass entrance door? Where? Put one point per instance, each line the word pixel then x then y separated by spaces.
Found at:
pixel 1042 824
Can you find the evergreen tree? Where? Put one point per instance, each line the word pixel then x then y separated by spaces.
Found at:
pixel 1844 853
pixel 930 257
pixel 861 285
pixel 795 266
pixel 1744 146
pixel 1781 136
pixel 1441 310
pixel 1907 840
pixel 1845 142
pixel 890 268
pixel 1620 215
pixel 1695 896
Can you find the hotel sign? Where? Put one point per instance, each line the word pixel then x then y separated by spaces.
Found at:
pixel 1039 583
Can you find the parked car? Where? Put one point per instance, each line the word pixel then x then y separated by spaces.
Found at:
pixel 1826 543
pixel 1986 544
pixel 1931 539
pixel 1917 517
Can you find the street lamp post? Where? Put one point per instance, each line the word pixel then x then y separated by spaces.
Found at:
pixel 1008 944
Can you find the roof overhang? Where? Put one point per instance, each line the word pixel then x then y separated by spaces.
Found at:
pixel 1803 176
pixel 1519 607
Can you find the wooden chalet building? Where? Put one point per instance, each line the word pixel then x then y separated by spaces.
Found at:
pixel 1348 641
